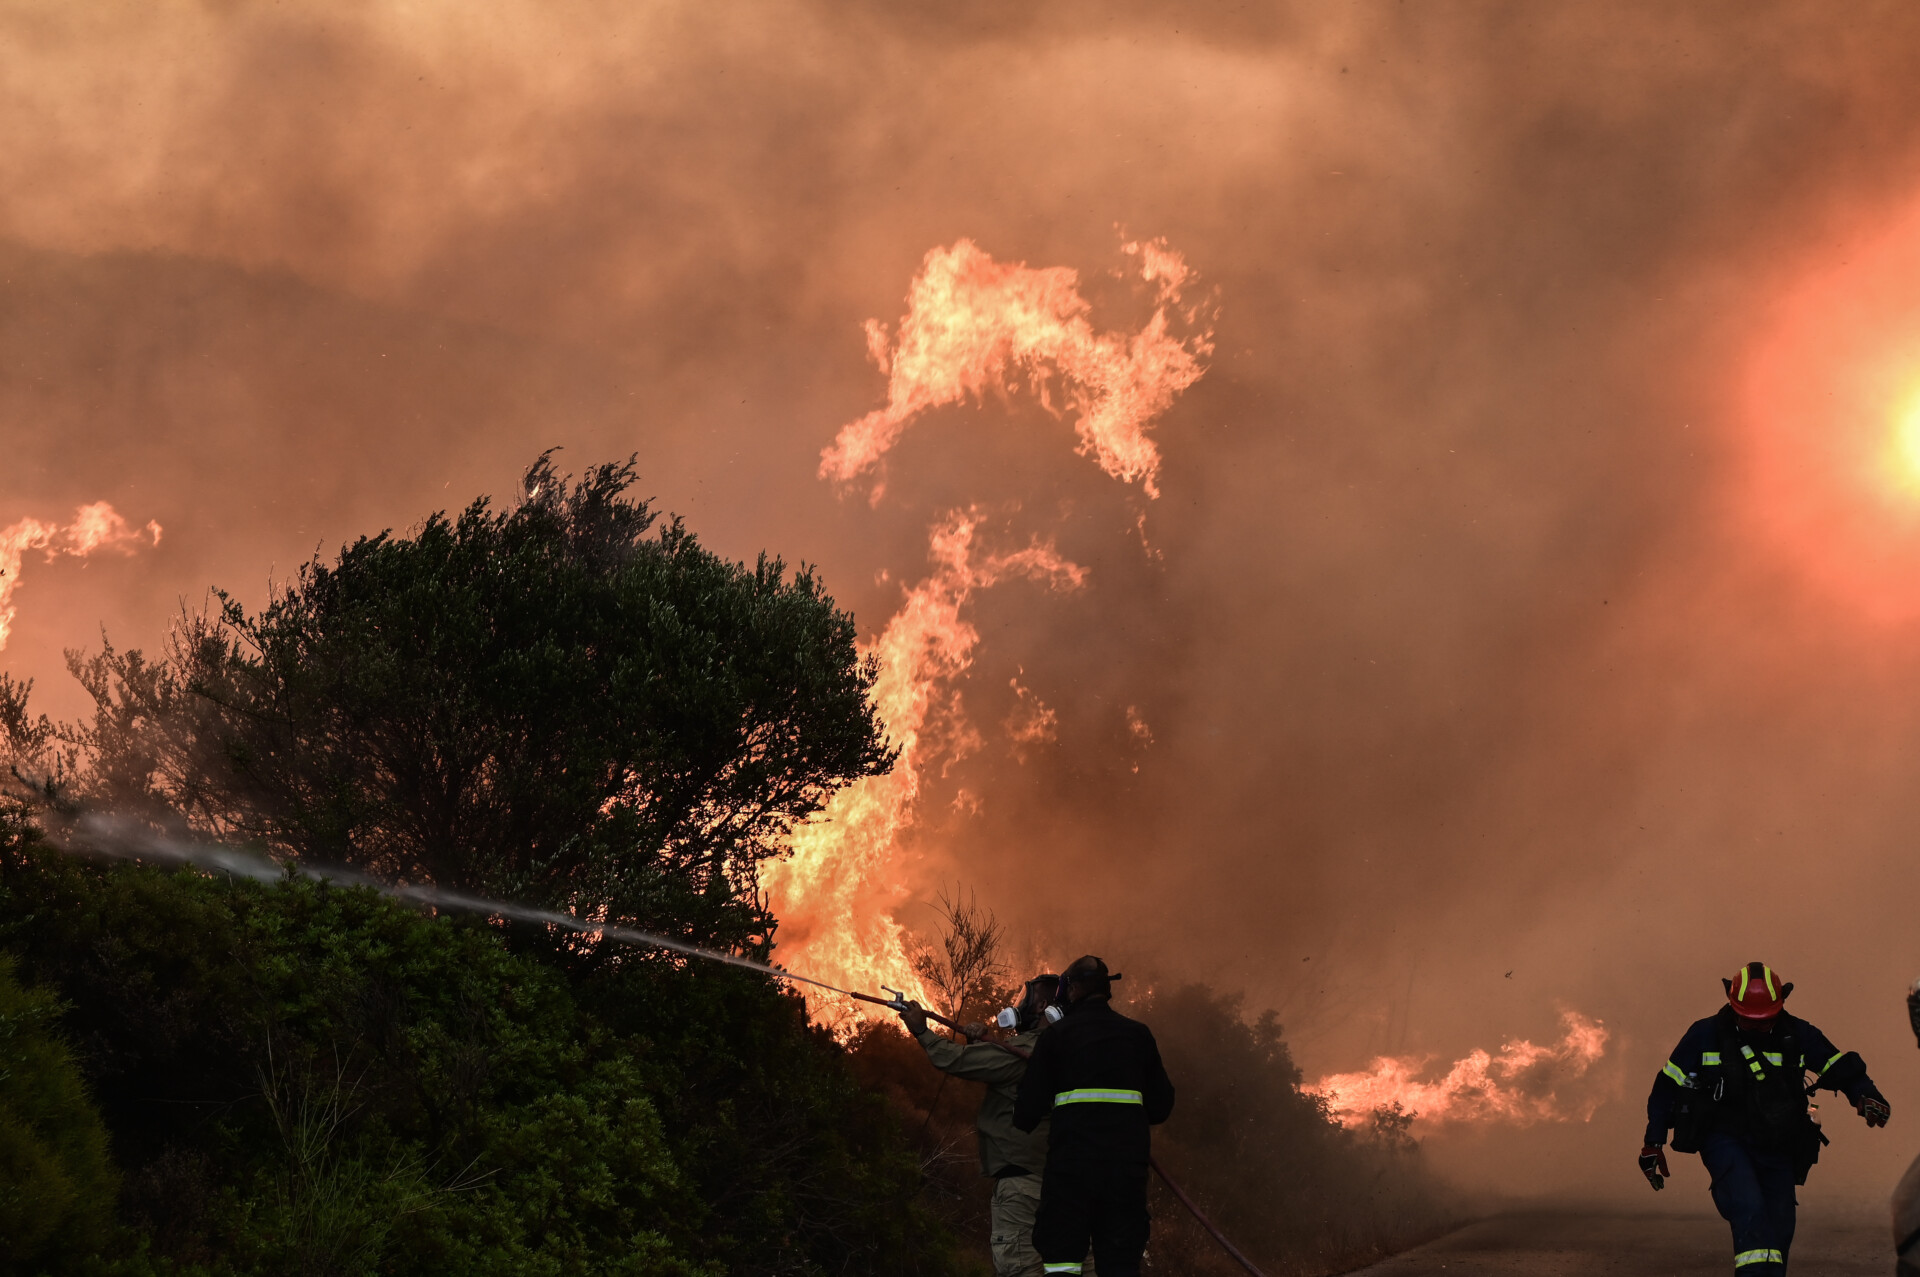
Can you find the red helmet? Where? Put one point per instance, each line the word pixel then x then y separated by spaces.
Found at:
pixel 1757 992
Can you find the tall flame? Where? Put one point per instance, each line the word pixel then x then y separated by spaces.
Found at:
pixel 1520 1085
pixel 974 324
pixel 94 527
pixel 836 893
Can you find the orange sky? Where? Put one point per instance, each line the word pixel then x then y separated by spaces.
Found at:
pixel 1527 591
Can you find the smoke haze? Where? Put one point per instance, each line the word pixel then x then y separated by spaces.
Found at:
pixel 1458 683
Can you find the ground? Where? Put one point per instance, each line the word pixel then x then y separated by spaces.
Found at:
pixel 1598 1244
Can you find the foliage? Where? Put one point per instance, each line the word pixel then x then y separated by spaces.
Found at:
pixel 57 1182
pixel 1292 1188
pixel 302 1079
pixel 570 703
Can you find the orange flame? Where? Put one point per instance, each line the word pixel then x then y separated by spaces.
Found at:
pixel 973 323
pixel 836 893
pixel 94 527
pixel 1521 1085
pixel 1033 721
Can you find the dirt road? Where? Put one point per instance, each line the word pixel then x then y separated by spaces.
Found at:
pixel 1564 1244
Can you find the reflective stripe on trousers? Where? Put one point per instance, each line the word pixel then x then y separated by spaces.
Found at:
pixel 1094 1095
pixel 1062 1268
pixel 1746 1257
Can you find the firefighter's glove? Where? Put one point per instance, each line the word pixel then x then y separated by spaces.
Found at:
pixel 1875 1110
pixel 914 1018
pixel 1653 1164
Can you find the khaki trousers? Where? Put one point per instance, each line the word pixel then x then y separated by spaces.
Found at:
pixel 1016 1200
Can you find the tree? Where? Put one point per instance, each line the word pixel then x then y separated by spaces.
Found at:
pixel 966 975
pixel 572 703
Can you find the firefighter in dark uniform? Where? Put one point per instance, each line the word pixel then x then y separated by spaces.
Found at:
pixel 1098 1075
pixel 1735 1091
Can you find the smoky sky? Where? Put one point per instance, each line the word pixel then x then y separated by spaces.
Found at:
pixel 1470 697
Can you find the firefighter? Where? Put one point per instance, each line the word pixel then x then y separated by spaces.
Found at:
pixel 1735 1091
pixel 1012 1158
pixel 1906 1197
pixel 1098 1074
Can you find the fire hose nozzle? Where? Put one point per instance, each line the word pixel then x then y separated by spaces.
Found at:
pixel 899 1002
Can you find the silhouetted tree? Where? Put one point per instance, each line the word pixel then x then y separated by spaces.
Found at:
pixel 967 974
pixel 572 703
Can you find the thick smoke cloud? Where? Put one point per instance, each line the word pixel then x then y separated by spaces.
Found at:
pixel 1453 648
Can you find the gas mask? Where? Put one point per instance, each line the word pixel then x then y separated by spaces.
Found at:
pixel 1009 1018
pixel 1032 1010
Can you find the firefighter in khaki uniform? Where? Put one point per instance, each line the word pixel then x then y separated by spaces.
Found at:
pixel 1011 1157
pixel 1735 1091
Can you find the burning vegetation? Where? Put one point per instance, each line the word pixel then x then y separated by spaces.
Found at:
pixel 1518 1085
pixel 973 327
pixel 93 527
pixel 976 327
pixel 296 1076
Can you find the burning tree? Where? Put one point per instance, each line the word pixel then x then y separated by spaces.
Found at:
pixel 571 702
pixel 966 975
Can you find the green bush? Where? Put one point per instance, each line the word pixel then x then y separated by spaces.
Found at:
pixel 57 1182
pixel 302 1079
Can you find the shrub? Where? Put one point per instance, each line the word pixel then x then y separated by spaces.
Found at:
pixel 301 1079
pixel 1295 1190
pixel 57 1182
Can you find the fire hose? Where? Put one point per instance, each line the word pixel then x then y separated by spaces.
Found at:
pixel 102 834
pixel 898 1002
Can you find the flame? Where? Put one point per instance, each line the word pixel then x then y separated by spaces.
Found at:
pixel 973 324
pixel 1033 721
pixel 836 893
pixel 1520 1085
pixel 94 527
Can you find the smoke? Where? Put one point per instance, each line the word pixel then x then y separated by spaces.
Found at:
pixel 1466 649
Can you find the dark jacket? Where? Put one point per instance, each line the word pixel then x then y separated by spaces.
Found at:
pixel 1004 1150
pixel 1099 1075
pixel 1708 1070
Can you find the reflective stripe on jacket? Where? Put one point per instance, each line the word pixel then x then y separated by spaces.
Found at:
pixel 1696 1064
pixel 1098 1074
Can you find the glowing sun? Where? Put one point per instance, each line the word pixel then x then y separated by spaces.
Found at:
pixel 1831 422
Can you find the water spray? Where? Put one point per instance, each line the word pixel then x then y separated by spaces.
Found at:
pixel 104 834
pixel 98 833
